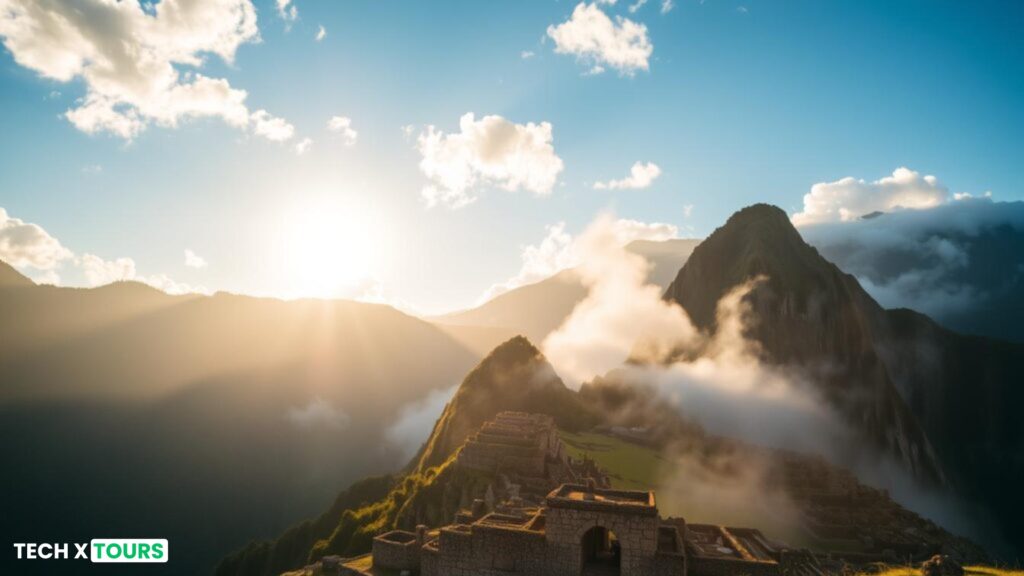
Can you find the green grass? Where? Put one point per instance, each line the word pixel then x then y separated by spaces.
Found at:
pixel 968 571
pixel 630 466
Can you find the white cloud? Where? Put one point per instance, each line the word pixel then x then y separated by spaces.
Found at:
pixel 688 210
pixel 559 251
pixel 287 10
pixel 99 272
pixel 302 146
pixel 318 413
pixel 636 6
pixel 26 244
pixel 343 126
pixel 193 260
pixel 641 175
pixel 129 58
pixel 667 6
pixel 321 33
pixel 271 127
pixel 489 151
pixel 597 41
pixel 619 310
pixel 850 199
pixel 92 169
pixel 526 54
pixel 48 277
pixel 169 285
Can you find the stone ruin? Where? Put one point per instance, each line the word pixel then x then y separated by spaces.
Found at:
pixel 580 527
pixel 580 530
pixel 525 454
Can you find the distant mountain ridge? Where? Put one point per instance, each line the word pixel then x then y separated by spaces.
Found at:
pixel 537 309
pixel 230 413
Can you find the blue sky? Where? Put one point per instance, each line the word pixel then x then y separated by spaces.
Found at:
pixel 741 102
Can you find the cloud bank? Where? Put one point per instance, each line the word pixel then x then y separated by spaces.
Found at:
pixel 491 151
pixel 849 199
pixel 958 258
pixel 960 262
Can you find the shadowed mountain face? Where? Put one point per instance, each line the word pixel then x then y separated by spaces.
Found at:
pixel 535 310
pixel 808 313
pixel 943 403
pixel 206 420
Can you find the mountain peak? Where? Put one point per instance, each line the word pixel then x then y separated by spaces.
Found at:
pixel 514 376
pixel 9 277
pixel 758 213
pixel 758 240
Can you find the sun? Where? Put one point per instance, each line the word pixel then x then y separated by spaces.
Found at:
pixel 327 249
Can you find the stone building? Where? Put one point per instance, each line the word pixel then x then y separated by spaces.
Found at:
pixel 578 528
pixel 581 530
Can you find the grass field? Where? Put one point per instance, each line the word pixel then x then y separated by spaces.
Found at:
pixel 630 466
pixel 968 571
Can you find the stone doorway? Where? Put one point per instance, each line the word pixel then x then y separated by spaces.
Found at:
pixel 602 555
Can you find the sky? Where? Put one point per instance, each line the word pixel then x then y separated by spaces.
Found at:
pixel 429 154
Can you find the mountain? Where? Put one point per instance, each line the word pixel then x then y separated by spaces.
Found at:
pixel 943 403
pixel 10 278
pixel 535 310
pixel 216 419
pixel 809 313
pixel 708 479
pixel 514 376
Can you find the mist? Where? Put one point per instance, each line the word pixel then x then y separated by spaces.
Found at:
pixel 415 420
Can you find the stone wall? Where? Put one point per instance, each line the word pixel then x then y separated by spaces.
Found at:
pixel 397 550
pixel 484 551
pixel 637 535
pixel 704 566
